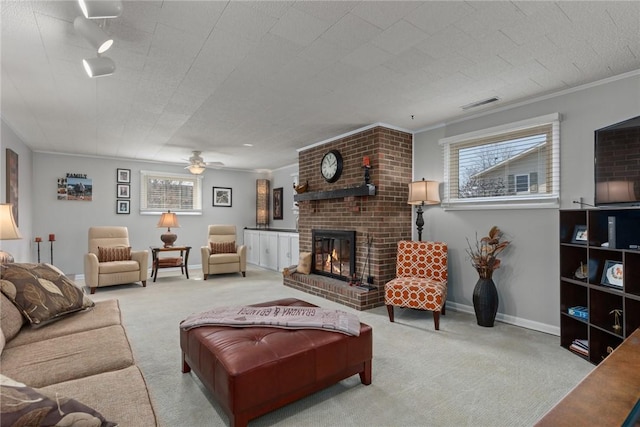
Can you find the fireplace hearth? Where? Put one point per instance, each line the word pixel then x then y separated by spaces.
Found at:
pixel 334 253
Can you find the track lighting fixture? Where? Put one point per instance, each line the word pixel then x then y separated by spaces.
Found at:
pixel 98 67
pixel 93 34
pixel 98 9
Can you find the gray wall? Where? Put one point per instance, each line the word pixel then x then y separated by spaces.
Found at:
pixel 69 220
pixel 282 177
pixel 20 249
pixel 528 281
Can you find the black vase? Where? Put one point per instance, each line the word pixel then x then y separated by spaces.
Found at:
pixel 485 302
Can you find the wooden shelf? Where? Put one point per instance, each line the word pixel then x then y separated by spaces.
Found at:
pixel 588 291
pixel 363 190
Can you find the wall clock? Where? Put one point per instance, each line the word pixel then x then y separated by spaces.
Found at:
pixel 331 166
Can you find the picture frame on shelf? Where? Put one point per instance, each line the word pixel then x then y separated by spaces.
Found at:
pixel 277 203
pixel 613 274
pixel 123 207
pixel 124 191
pixel 222 196
pixel 580 235
pixel 123 176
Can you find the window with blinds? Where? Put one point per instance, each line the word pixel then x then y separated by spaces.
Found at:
pixel 161 191
pixel 513 165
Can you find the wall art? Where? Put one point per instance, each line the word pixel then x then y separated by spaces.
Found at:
pixel 12 182
pixel 75 186
pixel 222 196
pixel 123 207
pixel 277 203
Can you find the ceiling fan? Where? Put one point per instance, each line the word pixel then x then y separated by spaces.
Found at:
pixel 197 164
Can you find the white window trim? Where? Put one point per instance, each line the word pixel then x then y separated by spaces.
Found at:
pixel 144 173
pixel 528 201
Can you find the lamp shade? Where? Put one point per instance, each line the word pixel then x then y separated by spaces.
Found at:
pixel 98 9
pixel 93 34
pixel 196 169
pixel 262 202
pixel 168 219
pixel 615 191
pixel 8 228
pixel 98 67
pixel 423 192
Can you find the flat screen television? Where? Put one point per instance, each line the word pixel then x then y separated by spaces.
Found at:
pixel 617 164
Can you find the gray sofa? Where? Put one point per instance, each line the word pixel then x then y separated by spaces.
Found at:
pixel 83 355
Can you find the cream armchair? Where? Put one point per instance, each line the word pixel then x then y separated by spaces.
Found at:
pixel 222 254
pixel 111 261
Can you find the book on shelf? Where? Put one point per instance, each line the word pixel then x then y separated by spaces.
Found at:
pixel 582 344
pixel 579 311
pixel 577 349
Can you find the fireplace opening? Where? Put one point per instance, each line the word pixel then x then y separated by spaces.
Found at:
pixel 334 253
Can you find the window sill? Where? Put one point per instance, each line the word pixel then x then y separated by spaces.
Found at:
pixel 525 203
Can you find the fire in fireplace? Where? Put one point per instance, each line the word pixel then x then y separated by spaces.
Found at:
pixel 334 253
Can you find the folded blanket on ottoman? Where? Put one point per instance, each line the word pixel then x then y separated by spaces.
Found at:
pixel 287 317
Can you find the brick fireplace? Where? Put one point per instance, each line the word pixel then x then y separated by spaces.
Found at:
pixel 379 220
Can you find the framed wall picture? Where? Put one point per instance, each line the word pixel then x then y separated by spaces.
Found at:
pixel 123 176
pixel 612 274
pixel 79 189
pixel 123 207
pixel 580 235
pixel 12 182
pixel 277 203
pixel 222 196
pixel 123 191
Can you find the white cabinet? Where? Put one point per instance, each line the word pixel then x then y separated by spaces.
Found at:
pixel 288 252
pixel 252 242
pixel 269 250
pixel 274 250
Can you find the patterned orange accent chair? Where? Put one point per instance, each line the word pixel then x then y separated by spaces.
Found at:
pixel 421 278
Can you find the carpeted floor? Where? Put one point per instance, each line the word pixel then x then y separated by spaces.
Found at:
pixel 462 375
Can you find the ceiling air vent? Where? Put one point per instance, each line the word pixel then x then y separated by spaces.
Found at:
pixel 480 103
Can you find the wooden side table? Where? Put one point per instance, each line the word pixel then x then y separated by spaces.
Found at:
pixel 166 262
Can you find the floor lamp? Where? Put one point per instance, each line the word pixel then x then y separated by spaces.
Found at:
pixel 423 193
pixel 8 230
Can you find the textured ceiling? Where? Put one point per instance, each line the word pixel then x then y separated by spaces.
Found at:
pixel 213 75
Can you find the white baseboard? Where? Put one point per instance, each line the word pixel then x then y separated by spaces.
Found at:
pixel 512 320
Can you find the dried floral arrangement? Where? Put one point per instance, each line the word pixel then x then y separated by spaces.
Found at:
pixel 484 256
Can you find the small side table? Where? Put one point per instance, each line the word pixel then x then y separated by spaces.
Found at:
pixel 166 262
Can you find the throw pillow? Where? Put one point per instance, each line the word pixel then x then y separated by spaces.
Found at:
pixel 114 253
pixel 11 319
pixel 223 247
pixel 22 406
pixel 40 292
pixel 304 265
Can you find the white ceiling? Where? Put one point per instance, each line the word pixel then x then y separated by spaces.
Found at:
pixel 214 75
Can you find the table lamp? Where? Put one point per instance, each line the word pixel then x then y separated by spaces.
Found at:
pixel 168 219
pixel 8 230
pixel 423 193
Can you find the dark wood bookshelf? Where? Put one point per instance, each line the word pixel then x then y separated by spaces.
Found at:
pixel 587 289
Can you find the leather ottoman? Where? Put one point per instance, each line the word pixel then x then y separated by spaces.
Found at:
pixel 253 370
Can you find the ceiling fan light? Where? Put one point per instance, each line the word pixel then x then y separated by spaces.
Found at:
pixel 98 9
pixel 98 67
pixel 93 34
pixel 196 169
